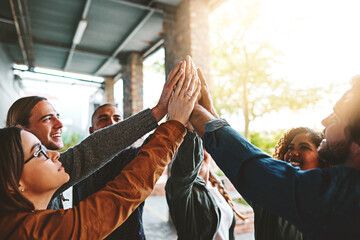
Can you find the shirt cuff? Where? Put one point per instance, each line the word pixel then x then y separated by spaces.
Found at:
pixel 215 124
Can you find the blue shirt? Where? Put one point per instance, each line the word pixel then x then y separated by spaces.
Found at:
pixel 322 203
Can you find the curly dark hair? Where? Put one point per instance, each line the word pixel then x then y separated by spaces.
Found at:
pixel 282 145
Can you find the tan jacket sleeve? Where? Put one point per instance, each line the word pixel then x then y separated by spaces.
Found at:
pixel 101 213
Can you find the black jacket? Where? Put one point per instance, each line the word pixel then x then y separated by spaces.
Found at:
pixel 192 206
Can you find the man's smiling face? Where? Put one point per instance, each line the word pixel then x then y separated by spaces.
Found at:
pixel 44 123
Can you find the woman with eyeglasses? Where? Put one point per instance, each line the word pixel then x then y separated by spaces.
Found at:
pixel 30 174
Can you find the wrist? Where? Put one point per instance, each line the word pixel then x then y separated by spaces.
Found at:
pixel 199 117
pixel 158 113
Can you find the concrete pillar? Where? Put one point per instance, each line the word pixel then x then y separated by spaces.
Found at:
pixel 187 33
pixel 109 90
pixel 132 75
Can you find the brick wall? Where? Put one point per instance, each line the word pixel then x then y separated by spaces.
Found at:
pixel 186 31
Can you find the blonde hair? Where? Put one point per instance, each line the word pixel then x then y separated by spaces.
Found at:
pixel 216 183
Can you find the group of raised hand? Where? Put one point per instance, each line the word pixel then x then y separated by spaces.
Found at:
pixel 187 90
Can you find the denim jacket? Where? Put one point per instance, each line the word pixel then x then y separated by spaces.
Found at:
pixel 321 203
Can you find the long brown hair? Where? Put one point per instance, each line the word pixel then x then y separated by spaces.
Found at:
pixel 20 111
pixel 11 167
pixel 216 183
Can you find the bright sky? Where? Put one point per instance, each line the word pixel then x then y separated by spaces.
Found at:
pixel 320 41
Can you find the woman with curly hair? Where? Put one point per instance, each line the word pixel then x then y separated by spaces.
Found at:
pixel 298 146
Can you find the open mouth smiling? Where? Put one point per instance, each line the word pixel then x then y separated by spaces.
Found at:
pixel 295 162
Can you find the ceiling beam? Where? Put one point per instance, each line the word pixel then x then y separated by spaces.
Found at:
pixel 139 6
pixel 21 17
pixel 5 20
pixel 146 53
pixel 153 48
pixel 68 47
pixel 78 34
pixel 130 35
pixel 62 76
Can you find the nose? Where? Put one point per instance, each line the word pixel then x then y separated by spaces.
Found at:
pixel 58 123
pixel 294 153
pixel 326 121
pixel 53 155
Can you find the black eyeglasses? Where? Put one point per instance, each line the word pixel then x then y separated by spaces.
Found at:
pixel 42 150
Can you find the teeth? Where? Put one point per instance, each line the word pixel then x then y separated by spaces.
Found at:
pixel 56 135
pixel 296 164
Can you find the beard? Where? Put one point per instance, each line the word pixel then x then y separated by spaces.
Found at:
pixel 336 153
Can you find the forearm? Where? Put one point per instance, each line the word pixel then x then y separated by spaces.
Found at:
pixel 99 214
pixel 100 147
pixel 188 159
pixel 138 178
pixel 158 113
pixel 199 117
pixel 273 185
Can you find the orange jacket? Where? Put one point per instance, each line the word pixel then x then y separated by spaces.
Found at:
pixel 101 213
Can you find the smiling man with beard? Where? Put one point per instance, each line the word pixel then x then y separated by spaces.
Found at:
pixel 321 203
pixel 341 130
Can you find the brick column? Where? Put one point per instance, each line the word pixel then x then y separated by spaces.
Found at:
pixel 109 90
pixel 187 33
pixel 132 76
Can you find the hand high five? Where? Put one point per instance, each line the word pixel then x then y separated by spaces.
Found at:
pixel 182 101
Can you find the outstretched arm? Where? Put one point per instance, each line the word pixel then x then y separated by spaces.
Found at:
pixel 88 156
pixel 186 193
pixel 102 212
pixel 101 146
pixel 199 117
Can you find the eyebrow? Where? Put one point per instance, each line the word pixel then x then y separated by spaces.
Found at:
pixel 304 143
pixel 35 145
pixel 301 144
pixel 105 115
pixel 102 115
pixel 49 115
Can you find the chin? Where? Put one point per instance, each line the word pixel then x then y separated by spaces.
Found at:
pixel 60 145
pixel 334 157
pixel 56 146
pixel 66 178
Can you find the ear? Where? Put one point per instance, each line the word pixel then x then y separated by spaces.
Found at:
pixel 20 126
pixel 21 187
pixel 355 148
pixel 91 130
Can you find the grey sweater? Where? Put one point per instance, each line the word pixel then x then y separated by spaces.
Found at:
pixel 100 147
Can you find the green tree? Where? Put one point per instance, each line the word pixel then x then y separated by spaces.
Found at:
pixel 242 64
pixel 70 139
pixel 266 141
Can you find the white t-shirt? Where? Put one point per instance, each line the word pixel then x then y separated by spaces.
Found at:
pixel 226 214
